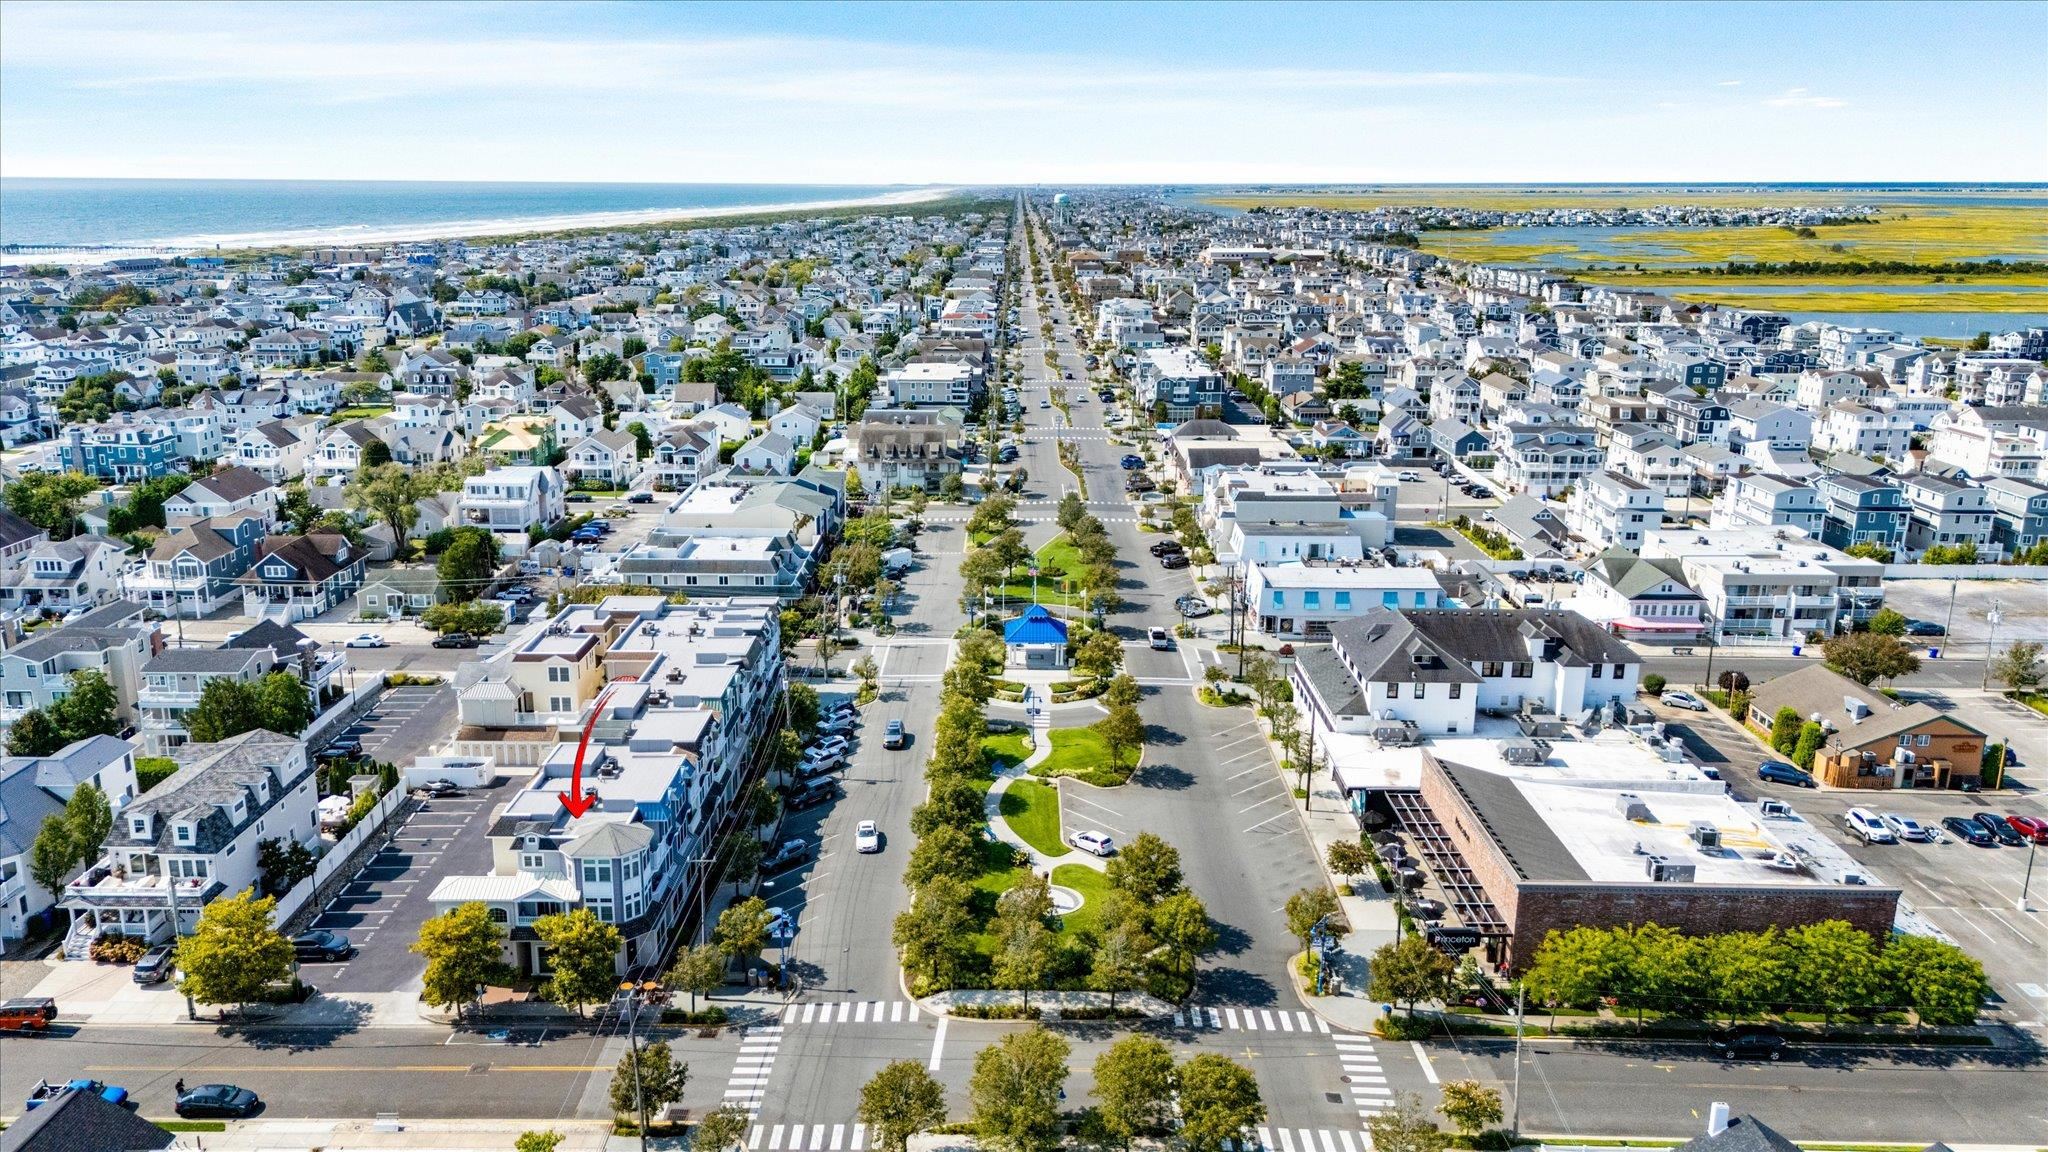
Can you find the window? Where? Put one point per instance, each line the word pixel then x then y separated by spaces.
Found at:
pixel 1523 670
pixel 1619 669
pixel 1922 741
pixel 496 915
pixel 1595 673
pixel 183 834
pixel 558 675
pixel 559 704
pixel 597 871
pixel 1421 690
pixel 532 861
pixel 1457 691
pixel 1343 601
pixel 1490 669
pixel 1393 691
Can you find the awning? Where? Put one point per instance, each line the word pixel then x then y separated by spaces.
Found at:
pixel 1639 624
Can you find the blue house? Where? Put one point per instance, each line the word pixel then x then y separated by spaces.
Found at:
pixel 123 452
pixel 1461 441
pixel 1862 510
pixel 1037 639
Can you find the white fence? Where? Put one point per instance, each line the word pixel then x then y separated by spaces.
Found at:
pixel 1965 572
pixel 337 857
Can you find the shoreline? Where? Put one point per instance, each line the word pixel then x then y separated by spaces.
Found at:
pixel 349 236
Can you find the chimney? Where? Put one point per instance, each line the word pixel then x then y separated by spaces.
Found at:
pixel 1717 1119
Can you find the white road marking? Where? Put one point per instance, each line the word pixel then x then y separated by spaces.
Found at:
pixel 1266 1018
pixel 939 1043
pixel 1422 1058
pixel 810 1012
pixel 1230 1016
pixel 838 1137
pixel 860 1135
pixel 845 1010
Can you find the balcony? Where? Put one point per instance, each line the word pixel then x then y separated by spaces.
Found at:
pixel 106 886
pixel 166 700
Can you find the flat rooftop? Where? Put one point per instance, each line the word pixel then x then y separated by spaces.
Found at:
pixel 1595 810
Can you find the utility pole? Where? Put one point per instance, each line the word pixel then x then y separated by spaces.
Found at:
pixel 1989 641
pixel 2027 883
pixel 1949 624
pixel 1515 1119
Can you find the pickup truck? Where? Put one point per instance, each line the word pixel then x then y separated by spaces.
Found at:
pixel 44 1091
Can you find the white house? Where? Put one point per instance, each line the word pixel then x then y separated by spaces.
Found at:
pixel 34 788
pixel 1302 601
pixel 1613 510
pixel 227 493
pixel 1862 430
pixel 509 500
pixel 606 456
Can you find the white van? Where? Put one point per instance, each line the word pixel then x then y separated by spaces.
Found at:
pixel 897 561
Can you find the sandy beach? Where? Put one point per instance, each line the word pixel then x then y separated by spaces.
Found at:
pixel 449 230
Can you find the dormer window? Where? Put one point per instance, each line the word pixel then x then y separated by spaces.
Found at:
pixel 138 827
pixel 182 832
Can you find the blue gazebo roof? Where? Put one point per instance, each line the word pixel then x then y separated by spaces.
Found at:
pixel 1035 626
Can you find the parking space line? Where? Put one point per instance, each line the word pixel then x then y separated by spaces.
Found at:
pixel 1266 821
pixel 1260 804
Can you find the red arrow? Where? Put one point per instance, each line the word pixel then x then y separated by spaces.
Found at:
pixel 575 799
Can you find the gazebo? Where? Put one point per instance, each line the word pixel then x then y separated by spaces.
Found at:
pixel 1037 639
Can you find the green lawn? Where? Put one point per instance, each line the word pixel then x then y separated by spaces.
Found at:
pixel 363 412
pixel 1080 753
pixel 1033 812
pixel 1093 887
pixel 1058 553
pixel 1005 746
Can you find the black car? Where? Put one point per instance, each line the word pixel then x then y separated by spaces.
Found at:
pixel 321 946
pixel 1174 560
pixel 1965 829
pixel 1164 547
pixel 1140 483
pixel 787 854
pixel 579 498
pixel 640 498
pixel 811 795
pixel 218 1101
pixel 1924 628
pixel 1749 1042
pixel 342 748
pixel 457 640
pixel 2000 831
pixel 437 789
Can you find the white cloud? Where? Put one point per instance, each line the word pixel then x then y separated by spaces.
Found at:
pixel 1730 84
pixel 1801 98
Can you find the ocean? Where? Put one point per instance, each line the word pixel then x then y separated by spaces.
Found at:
pixel 190 215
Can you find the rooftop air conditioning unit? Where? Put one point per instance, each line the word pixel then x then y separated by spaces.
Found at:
pixel 1632 808
pixel 1665 871
pixel 1703 834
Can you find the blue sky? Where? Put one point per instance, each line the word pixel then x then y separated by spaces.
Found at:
pixel 1079 93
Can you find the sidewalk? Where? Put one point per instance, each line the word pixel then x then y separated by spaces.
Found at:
pixel 992 809
pixel 469 1135
pixel 1372 917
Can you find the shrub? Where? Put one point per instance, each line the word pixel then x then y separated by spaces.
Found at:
pixel 1654 684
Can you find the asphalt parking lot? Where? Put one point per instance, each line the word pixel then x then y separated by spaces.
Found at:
pixel 2022 608
pixel 381 910
pixel 404 722
pixel 1969 893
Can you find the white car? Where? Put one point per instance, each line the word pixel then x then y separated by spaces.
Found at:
pixel 1408 477
pixel 1687 700
pixel 1095 843
pixel 867 837
pixel 829 746
pixel 1904 827
pixel 1864 825
pixel 368 640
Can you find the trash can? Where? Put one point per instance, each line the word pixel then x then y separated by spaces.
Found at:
pixel 1934 653
pixel 1795 649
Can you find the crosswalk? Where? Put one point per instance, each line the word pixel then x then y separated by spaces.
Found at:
pixel 748 1083
pixel 1249 1020
pixel 852 1011
pixel 1362 1074
pixel 807 1137
pixel 1303 1140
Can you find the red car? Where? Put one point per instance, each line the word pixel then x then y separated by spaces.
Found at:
pixel 2031 827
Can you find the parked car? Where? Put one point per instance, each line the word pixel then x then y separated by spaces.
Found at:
pixel 830 746
pixel 1865 826
pixel 155 966
pixel 2000 831
pixel 1679 698
pixel 44 1091
pixel 1160 639
pixel 2029 827
pixel 1965 829
pixel 578 498
pixel 1924 628
pixel 867 837
pixel 218 1101
pixel 1408 477
pixel 27 1013
pixel 1779 772
pixel 1174 560
pixel 342 748
pixel 1132 462
pixel 894 736
pixel 457 640
pixel 1094 843
pixel 323 946
pixel 812 794
pixel 368 640
pixel 640 498
pixel 1749 1042
pixel 1165 546
pixel 787 854
pixel 438 789
pixel 816 764
pixel 1904 827
pixel 1193 607
pixel 1139 482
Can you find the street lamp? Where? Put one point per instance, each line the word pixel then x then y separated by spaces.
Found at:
pixel 1989 641
pixel 635 994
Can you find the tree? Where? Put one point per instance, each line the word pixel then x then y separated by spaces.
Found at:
pixel 283 703
pixel 89 708
pixel 1749 971
pixel 226 708
pixel 1868 656
pixel 375 453
pixel 1833 967
pixel 934 935
pixel 804 708
pixel 1123 689
pixel 649 1082
pixel 1409 971
pixel 465 951
pixel 1219 1099
pixel 742 929
pixel 537 1140
pixel 49 500
pixel 946 851
pixel 1469 1105
pixel 388 492
pixel 1099 654
pixel 866 669
pixel 35 734
pixel 1405 1125
pixel 1811 737
pixel 1349 859
pixel 234 952
pixel 1118 964
pixel 467 563
pixel 1940 981
pixel 1014 1093
pixel 1181 925
pixel 900 1101
pixel 722 1129
pixel 643 440
pixel 1574 967
pixel 1888 622
pixel 952 802
pixel 1308 908
pixel 2019 666
pixel 698 970
pixel 1134 1083
pixel 478 619
pixel 1009 551
pixel 1071 512
pixel 1785 729
pixel 282 862
pixel 584 953
pixel 1870 550
pixel 53 855
pixel 1147 869
pixel 1024 944
pixel 1123 730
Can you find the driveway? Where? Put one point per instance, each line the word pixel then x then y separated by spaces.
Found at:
pixel 404 722
pixel 381 910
